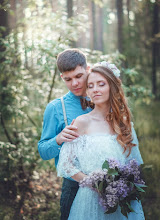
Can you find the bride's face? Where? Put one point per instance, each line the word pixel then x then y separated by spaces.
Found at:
pixel 98 88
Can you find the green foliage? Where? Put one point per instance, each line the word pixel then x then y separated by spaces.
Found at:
pixel 28 65
pixel 134 88
pixel 147 127
pixel 23 99
pixel 28 81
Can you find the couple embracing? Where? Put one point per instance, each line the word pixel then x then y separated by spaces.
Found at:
pixel 81 133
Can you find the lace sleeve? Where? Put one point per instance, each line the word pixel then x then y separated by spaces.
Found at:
pixel 68 164
pixel 135 153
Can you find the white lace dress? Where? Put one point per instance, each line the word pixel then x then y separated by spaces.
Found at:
pixel 87 154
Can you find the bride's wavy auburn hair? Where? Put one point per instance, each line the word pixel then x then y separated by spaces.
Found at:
pixel 119 116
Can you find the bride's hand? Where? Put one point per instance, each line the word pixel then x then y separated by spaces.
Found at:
pixel 79 177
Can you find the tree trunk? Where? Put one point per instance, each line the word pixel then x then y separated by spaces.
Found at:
pixel 94 34
pixel 52 85
pixel 5 32
pixel 70 15
pixel 12 19
pixel 70 8
pixel 128 12
pixel 4 19
pixel 100 29
pixel 155 47
pixel 119 6
pixel 91 27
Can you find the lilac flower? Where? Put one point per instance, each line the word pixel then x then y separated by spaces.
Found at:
pixel 111 200
pixel 115 184
pixel 113 163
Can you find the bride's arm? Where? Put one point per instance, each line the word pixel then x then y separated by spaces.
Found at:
pixel 79 176
pixel 68 164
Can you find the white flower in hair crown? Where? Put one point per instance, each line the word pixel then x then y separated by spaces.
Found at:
pixel 110 66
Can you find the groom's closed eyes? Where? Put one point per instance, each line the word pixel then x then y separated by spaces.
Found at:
pixel 77 76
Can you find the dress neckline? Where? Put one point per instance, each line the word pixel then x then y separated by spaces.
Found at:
pixel 84 136
pixel 99 134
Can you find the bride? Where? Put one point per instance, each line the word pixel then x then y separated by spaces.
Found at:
pixel 105 133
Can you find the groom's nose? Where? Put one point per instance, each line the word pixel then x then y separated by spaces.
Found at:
pixel 74 82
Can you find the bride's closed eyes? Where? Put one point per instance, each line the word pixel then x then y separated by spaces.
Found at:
pixel 101 84
pixel 91 85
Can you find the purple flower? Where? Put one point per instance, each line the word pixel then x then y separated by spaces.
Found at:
pixel 113 163
pixel 114 187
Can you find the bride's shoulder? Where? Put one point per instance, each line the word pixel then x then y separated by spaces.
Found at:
pixel 82 119
pixel 81 122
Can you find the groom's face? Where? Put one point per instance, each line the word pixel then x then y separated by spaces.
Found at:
pixel 75 80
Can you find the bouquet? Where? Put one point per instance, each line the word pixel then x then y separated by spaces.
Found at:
pixel 116 185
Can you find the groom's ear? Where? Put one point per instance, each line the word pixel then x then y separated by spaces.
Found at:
pixel 61 75
pixel 88 68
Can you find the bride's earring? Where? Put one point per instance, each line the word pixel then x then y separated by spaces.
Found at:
pixel 88 98
pixel 110 115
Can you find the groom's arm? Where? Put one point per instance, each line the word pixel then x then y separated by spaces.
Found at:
pixel 68 134
pixel 52 134
pixel 47 146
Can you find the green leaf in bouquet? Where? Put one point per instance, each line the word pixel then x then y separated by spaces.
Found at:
pixel 112 209
pixel 96 185
pixel 125 207
pixel 132 196
pixel 105 184
pixel 140 185
pixel 130 207
pixel 100 187
pixel 124 211
pixel 139 188
pixel 112 172
pixel 105 165
pixel 138 197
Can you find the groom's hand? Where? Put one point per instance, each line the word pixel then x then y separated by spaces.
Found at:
pixel 68 134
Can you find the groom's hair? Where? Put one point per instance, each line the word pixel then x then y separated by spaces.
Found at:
pixel 69 59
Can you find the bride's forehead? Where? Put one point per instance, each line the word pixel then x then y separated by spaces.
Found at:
pixel 95 76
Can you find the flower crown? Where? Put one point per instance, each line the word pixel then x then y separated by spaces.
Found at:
pixel 110 66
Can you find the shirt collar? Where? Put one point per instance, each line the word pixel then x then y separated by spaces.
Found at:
pixel 73 96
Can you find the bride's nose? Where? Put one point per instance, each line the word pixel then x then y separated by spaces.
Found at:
pixel 95 89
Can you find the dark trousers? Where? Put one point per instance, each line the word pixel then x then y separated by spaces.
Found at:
pixel 69 190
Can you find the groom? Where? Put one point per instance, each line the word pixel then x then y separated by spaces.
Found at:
pixel 73 67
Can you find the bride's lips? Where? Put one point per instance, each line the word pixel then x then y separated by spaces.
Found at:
pixel 95 96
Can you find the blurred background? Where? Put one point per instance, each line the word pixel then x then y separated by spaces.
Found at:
pixel 32 33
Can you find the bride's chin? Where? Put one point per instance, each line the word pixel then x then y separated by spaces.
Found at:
pixel 98 102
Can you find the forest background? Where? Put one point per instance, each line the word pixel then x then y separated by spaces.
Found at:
pixel 32 33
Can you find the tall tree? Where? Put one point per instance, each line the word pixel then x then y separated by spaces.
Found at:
pixel 94 33
pixel 4 28
pixel 100 28
pixel 119 6
pixel 128 12
pixel 70 8
pixel 155 46
pixel 70 15
pixel 4 78
pixel 3 19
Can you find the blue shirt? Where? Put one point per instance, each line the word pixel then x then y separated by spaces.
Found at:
pixel 53 124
